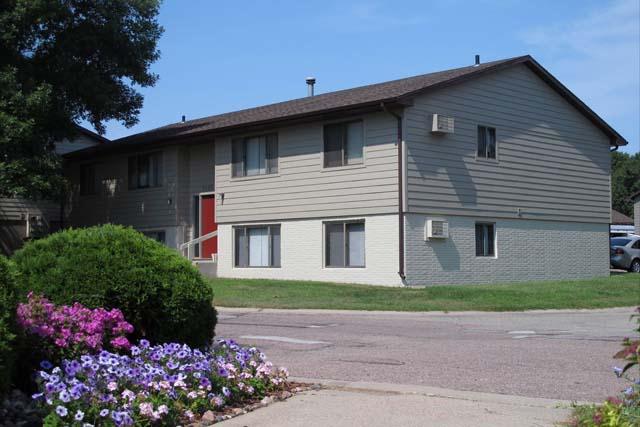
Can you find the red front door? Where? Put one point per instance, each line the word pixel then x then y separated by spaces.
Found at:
pixel 207 225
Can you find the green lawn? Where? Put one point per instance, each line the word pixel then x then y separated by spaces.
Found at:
pixel 615 291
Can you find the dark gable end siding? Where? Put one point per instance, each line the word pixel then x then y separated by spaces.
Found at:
pixel 552 162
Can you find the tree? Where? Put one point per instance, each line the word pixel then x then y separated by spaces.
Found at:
pixel 61 62
pixel 625 180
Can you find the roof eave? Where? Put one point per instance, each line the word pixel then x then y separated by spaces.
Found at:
pixel 126 144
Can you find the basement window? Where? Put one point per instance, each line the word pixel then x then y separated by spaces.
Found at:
pixel 344 244
pixel 157 235
pixel 485 239
pixel 257 246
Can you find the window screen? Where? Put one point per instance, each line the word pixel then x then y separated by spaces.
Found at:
pixel 343 144
pixel 344 244
pixel 485 239
pixel 257 246
pixel 256 155
pixel 486 142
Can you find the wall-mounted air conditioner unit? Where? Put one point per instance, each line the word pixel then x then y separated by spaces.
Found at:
pixel 441 124
pixel 436 229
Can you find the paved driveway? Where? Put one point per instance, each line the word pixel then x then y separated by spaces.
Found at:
pixel 550 354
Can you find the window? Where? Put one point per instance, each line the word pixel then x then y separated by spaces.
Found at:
pixel 256 155
pixel 343 144
pixel 486 142
pixel 145 170
pixel 257 246
pixel 618 241
pixel 636 245
pixel 88 180
pixel 344 244
pixel 485 239
pixel 157 235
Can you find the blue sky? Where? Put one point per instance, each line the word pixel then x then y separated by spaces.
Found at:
pixel 223 56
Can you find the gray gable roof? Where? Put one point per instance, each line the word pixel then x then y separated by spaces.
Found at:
pixel 376 96
pixel 619 218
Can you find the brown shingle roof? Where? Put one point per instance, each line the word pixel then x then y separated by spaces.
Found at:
pixel 392 92
pixel 619 218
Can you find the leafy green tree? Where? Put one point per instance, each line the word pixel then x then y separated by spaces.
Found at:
pixel 61 62
pixel 625 180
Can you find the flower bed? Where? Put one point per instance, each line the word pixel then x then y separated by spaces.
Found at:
pixel 164 384
pixel 68 331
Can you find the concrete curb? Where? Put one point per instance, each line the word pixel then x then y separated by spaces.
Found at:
pixel 230 310
pixel 435 392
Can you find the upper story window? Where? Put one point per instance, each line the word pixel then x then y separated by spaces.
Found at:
pixel 486 142
pixel 145 170
pixel 344 244
pixel 485 239
pixel 255 155
pixel 88 183
pixel 343 144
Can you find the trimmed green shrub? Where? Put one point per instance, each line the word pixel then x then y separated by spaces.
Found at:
pixel 7 321
pixel 160 293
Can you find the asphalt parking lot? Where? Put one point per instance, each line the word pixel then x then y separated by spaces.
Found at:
pixel 544 354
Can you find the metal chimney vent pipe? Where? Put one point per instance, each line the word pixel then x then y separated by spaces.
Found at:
pixel 184 118
pixel 311 81
pixel 477 59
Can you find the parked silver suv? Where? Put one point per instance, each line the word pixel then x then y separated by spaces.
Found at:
pixel 625 253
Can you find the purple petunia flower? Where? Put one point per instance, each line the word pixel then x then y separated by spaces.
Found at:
pixel 61 411
pixel 119 380
pixel 65 396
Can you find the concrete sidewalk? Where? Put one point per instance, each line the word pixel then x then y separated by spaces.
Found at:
pixel 341 403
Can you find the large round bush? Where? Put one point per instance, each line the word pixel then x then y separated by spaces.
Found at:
pixel 7 321
pixel 111 266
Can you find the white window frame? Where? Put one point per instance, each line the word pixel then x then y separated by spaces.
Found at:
pixel 495 240
pixel 485 158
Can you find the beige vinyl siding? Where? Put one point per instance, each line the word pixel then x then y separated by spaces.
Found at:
pixel 302 188
pixel 196 174
pixel 15 209
pixel 552 162
pixel 79 143
pixel 115 203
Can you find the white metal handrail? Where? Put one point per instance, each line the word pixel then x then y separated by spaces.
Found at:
pixel 191 243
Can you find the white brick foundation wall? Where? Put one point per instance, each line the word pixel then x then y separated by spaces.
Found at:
pixel 526 250
pixel 302 253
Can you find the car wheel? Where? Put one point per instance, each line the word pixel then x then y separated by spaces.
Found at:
pixel 635 266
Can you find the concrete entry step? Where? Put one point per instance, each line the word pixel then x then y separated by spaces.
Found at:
pixel 207 267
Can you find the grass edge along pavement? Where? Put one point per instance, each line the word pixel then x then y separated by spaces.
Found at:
pixel 615 291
